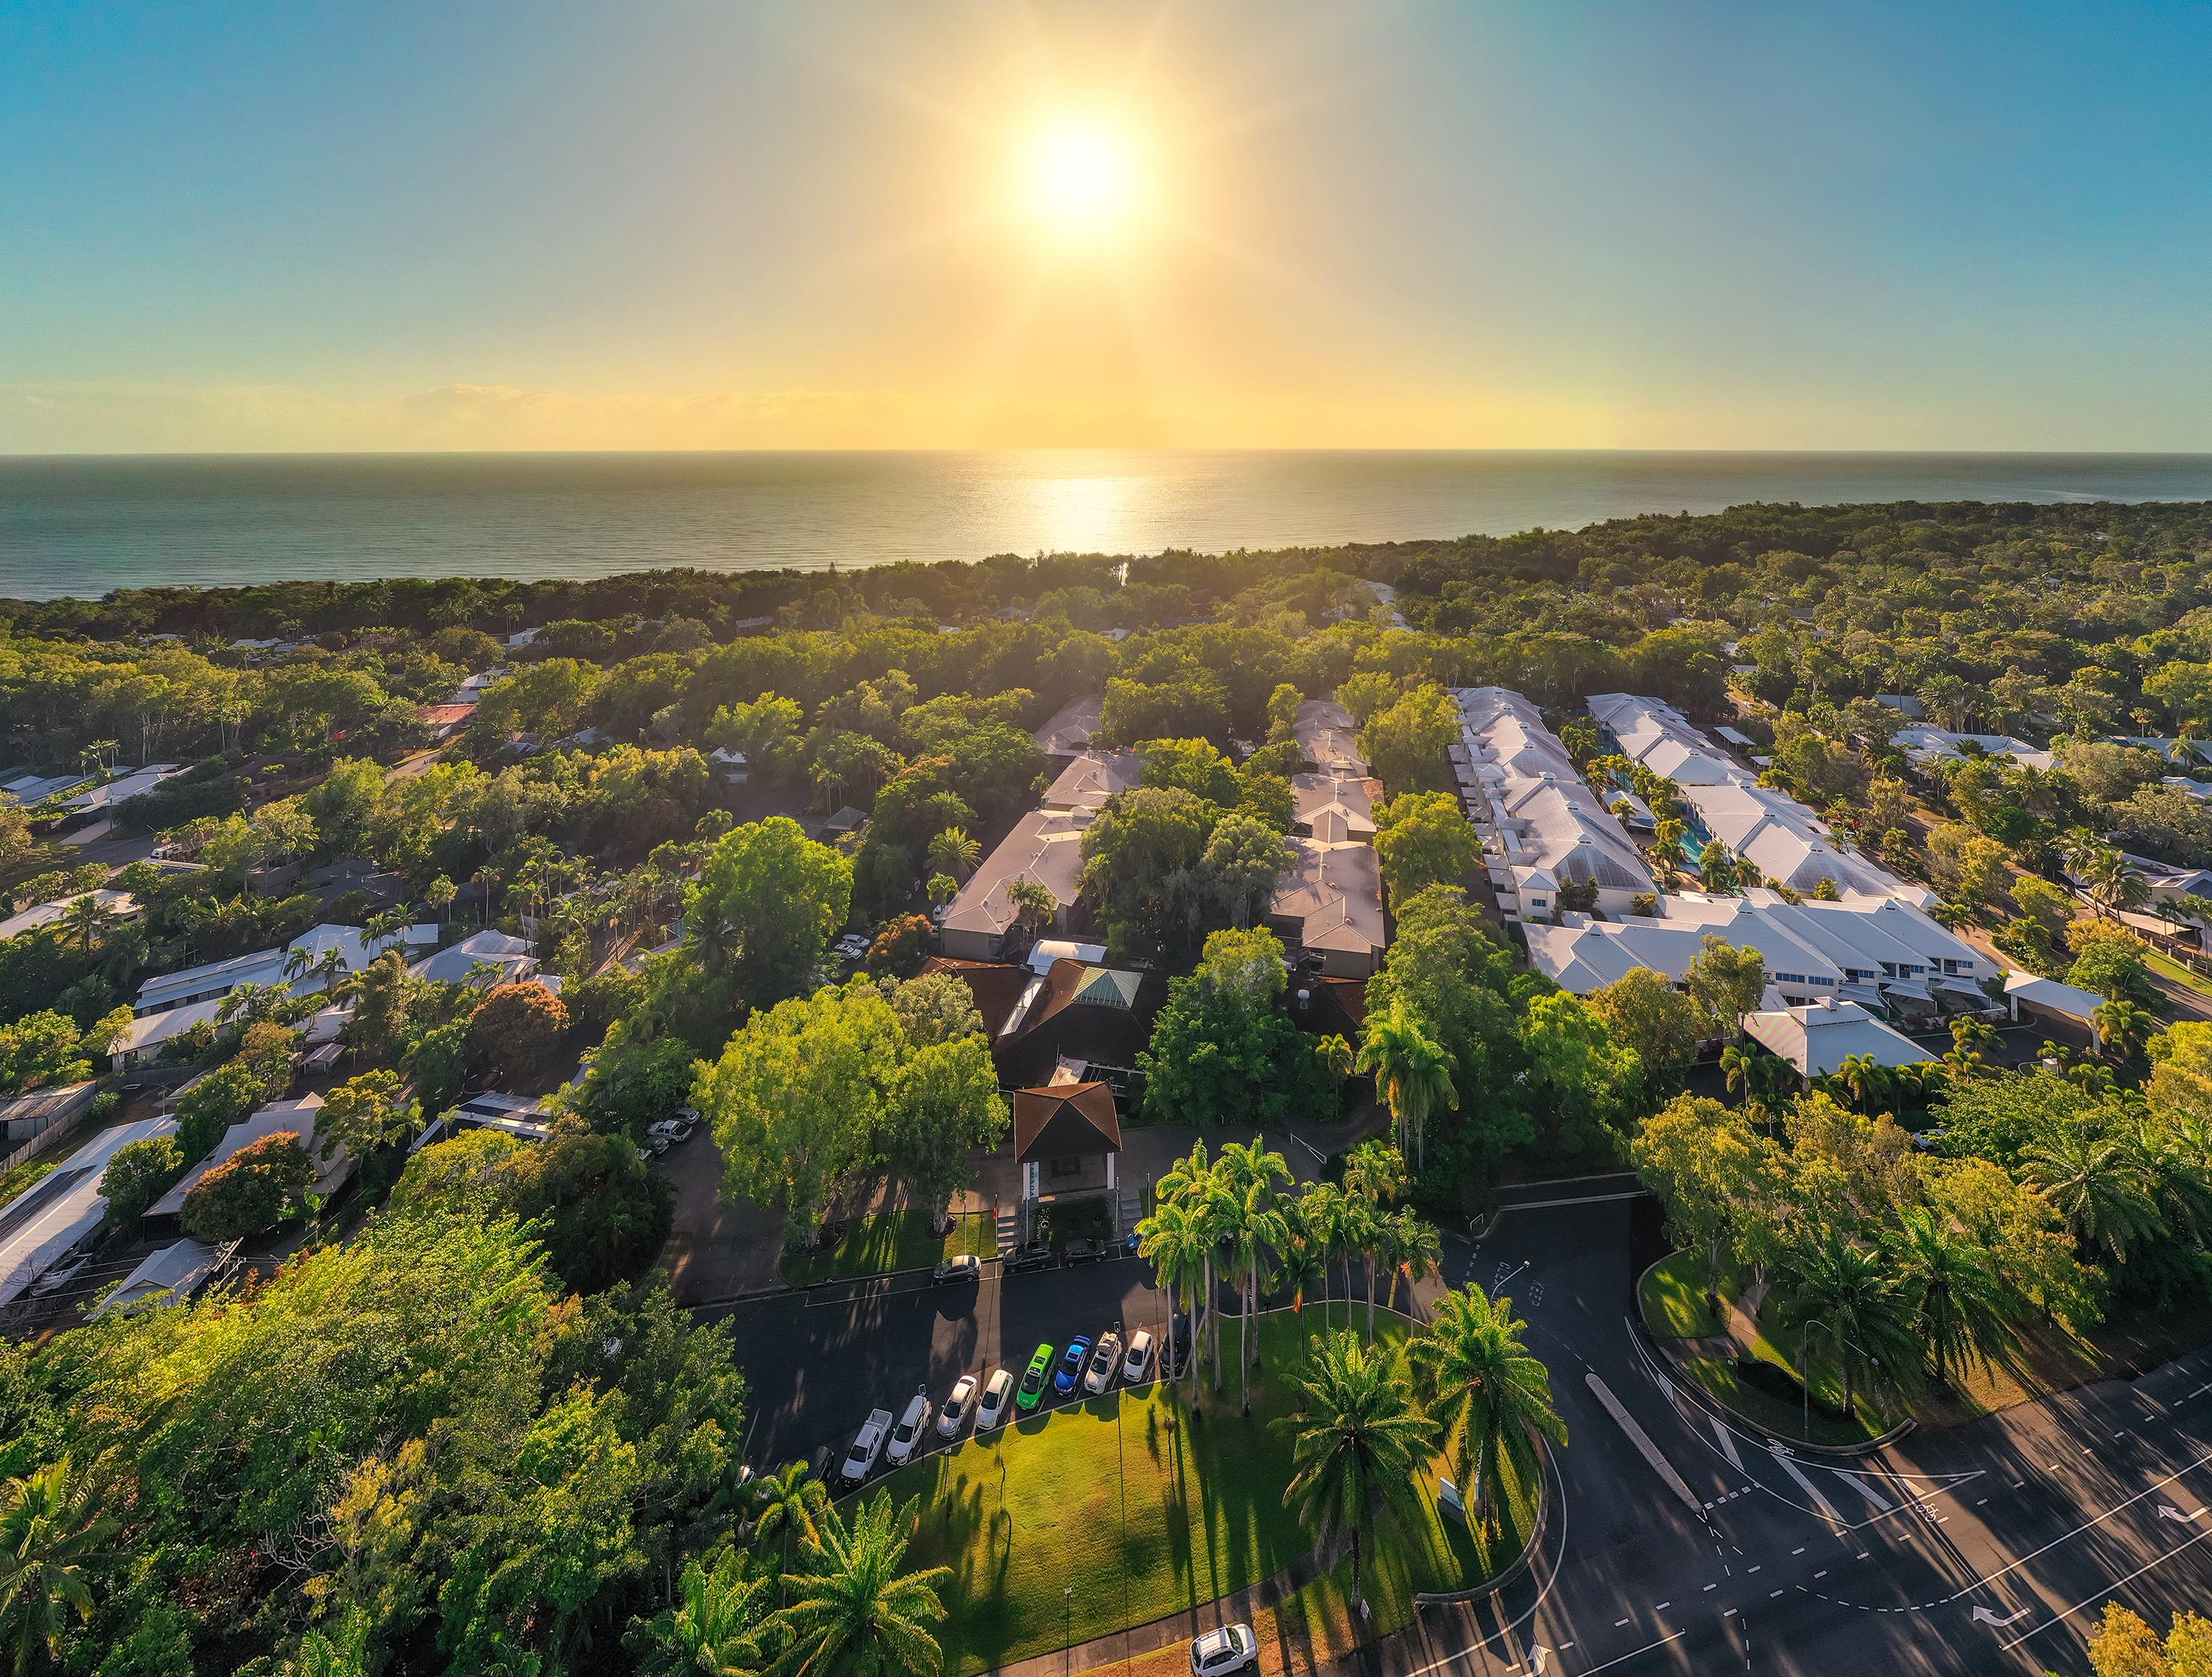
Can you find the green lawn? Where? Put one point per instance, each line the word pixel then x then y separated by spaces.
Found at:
pixel 1143 1511
pixel 890 1241
pixel 1673 1298
pixel 2174 970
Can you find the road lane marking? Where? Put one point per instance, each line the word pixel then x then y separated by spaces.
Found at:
pixel 1728 1443
pixel 2102 1594
pixel 1799 1550
pixel 1617 1623
pixel 1881 1504
pixel 1644 1447
pixel 1806 1485
pixel 1633 1652
pixel 2086 1525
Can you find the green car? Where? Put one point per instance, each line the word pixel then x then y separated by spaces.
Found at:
pixel 1040 1370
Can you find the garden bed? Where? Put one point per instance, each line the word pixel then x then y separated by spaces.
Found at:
pixel 889 1240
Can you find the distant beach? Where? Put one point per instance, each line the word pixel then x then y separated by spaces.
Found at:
pixel 79 525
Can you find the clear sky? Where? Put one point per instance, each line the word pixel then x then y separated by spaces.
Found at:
pixel 494 225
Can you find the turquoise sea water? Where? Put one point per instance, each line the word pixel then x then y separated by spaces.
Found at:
pixel 85 524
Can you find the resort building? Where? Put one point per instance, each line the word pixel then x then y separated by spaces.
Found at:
pixel 1542 826
pixel 1881 952
pixel 1935 749
pixel 51 1220
pixel 1069 732
pixel 300 966
pixel 1818 1038
pixel 1329 737
pixel 1761 825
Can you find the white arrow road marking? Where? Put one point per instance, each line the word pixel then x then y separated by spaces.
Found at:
pixel 2168 1511
pixel 1728 1444
pixel 1983 1616
pixel 1806 1485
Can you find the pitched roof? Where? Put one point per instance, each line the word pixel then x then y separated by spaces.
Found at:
pixel 1331 739
pixel 1046 845
pixel 1818 1039
pixel 1092 779
pixel 1335 891
pixel 278 1116
pixel 1071 725
pixel 996 985
pixel 1064 1120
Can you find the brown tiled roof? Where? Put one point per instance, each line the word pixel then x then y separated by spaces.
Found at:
pixel 1064 1120
pixel 996 985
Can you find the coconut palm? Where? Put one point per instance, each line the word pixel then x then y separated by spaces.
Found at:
pixel 87 918
pixel 1358 1443
pixel 1716 868
pixel 2098 1183
pixel 1668 851
pixel 1412 1073
pixel 1334 1057
pixel 1866 1078
pixel 954 852
pixel 2112 880
pixel 1492 1400
pixel 2122 1028
pixel 859 1614
pixel 787 1508
pixel 440 894
pixel 50 1528
pixel 715 1627
pixel 1849 1291
pixel 1374 1171
pixel 1959 1306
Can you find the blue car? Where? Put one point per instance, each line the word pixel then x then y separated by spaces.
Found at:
pixel 1071 1365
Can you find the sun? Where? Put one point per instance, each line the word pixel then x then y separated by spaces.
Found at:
pixel 1082 179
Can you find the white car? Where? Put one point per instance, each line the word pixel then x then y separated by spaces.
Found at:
pixel 1138 1365
pixel 991 1407
pixel 911 1425
pixel 954 1415
pixel 867 1447
pixel 1105 1362
pixel 1230 1648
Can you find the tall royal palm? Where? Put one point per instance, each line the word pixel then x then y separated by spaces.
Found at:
pixel 859 1614
pixel 1321 1214
pixel 1415 1254
pixel 1177 1243
pixel 1849 1294
pixel 50 1528
pixel 1358 1443
pixel 1255 1227
pixel 1192 1184
pixel 2099 1184
pixel 1413 1073
pixel 1492 1400
pixel 1301 1262
pixel 1959 1309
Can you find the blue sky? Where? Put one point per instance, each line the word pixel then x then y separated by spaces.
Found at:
pixel 507 225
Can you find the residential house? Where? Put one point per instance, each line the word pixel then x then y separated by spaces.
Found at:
pixel 1819 1037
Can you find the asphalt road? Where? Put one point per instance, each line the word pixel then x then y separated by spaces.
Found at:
pixel 1986 1548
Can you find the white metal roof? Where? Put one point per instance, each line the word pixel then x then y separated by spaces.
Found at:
pixel 1818 1039
pixel 45 1222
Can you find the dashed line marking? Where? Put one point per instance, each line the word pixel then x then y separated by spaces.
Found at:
pixel 1712 1587
pixel 1617 1623
pixel 1663 1607
pixel 1758 1568
pixel 1822 1573
pixel 1799 1550
pixel 1771 1594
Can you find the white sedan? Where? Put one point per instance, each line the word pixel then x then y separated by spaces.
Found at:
pixel 954 1415
pixel 1139 1364
pixel 991 1407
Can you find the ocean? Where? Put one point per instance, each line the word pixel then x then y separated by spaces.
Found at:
pixel 84 525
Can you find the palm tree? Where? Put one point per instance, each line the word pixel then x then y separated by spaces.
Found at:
pixel 1866 1078
pixel 1959 1306
pixel 1033 903
pixel 1847 1289
pixel 714 1630
pixel 1414 1252
pixel 50 1527
pixel 1668 851
pixel 88 917
pixel 859 1615
pixel 2123 1028
pixel 2177 1151
pixel 1177 1243
pixel 1190 1183
pixel 1412 1073
pixel 1321 1211
pixel 787 1504
pixel 1302 1260
pixel 1334 1057
pixel 1374 1171
pixel 1256 1227
pixel 1358 1443
pixel 1491 1399
pixel 1715 870
pixel 1764 1079
pixel 954 852
pixel 2098 1184
pixel 2113 880
pixel 942 888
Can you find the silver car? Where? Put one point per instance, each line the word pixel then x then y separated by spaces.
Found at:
pixel 1230 1648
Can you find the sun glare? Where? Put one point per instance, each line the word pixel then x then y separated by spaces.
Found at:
pixel 1082 179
